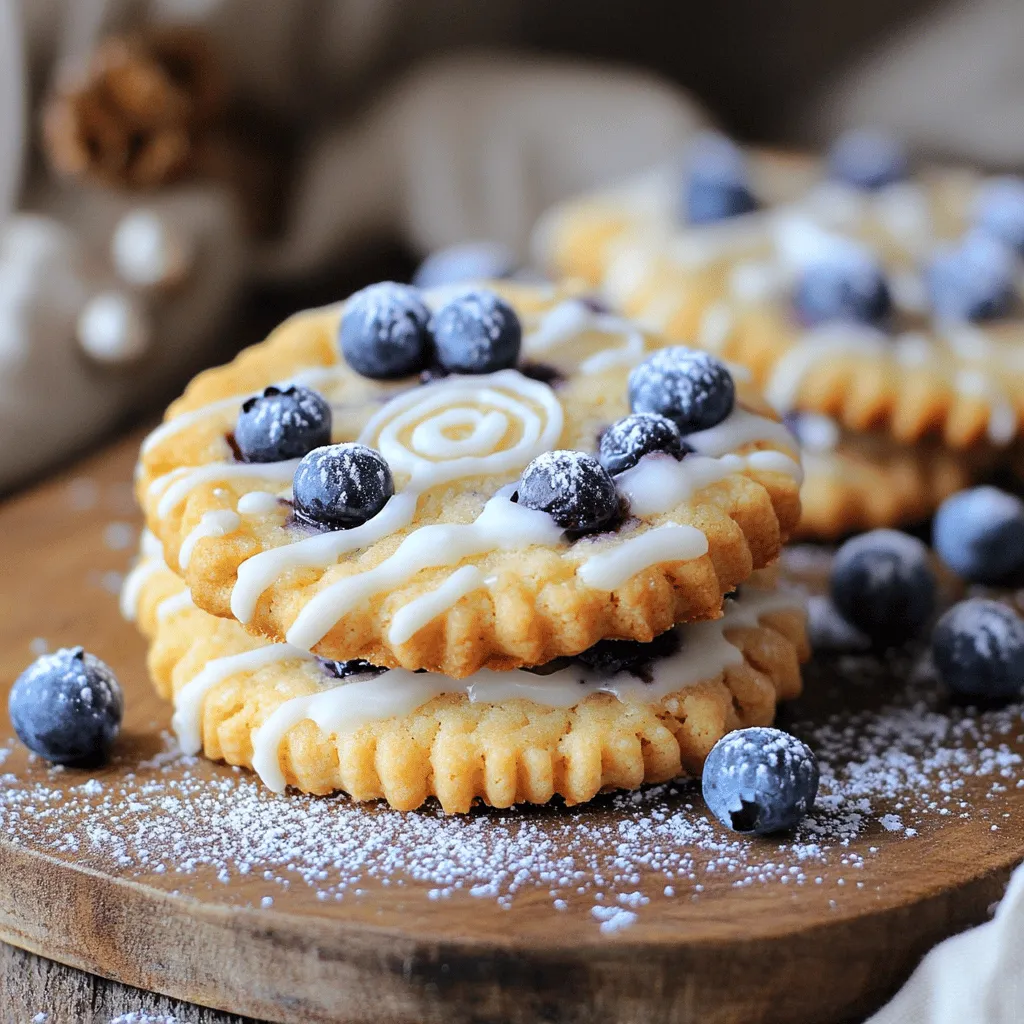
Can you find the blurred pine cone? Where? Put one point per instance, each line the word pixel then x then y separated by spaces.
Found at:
pixel 139 115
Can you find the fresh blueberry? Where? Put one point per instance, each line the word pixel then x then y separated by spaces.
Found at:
pixel 868 158
pixel 573 488
pixel 628 440
pixel 613 657
pixel 342 485
pixel 385 331
pixel 999 211
pixel 883 584
pixel 67 708
pixel 846 284
pixel 477 333
pixel 972 281
pixel 691 388
pixel 471 261
pixel 760 780
pixel 282 423
pixel 717 181
pixel 978 650
pixel 979 534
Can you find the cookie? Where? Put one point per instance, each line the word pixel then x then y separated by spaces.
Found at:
pixel 634 714
pixel 443 551
pixel 855 482
pixel 930 352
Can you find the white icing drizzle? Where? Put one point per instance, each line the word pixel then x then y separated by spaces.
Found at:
pixel 412 617
pixel 704 653
pixel 406 432
pixel 502 525
pixel 174 604
pixel 569 319
pixel 151 559
pixel 215 523
pixel 188 701
pixel 1002 421
pixel 814 347
pixel 258 503
pixel 668 543
pixel 175 487
pixel 741 427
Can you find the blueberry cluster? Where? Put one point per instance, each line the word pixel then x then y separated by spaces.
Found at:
pixel 387 331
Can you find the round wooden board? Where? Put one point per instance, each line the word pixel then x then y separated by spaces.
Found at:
pixel 729 941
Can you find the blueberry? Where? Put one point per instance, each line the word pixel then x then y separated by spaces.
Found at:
pixel 972 281
pixel 846 284
pixel 613 657
pixel 470 261
pixel 350 668
pixel 979 534
pixel 999 211
pixel 691 388
pixel 67 707
pixel 573 488
pixel 760 780
pixel 978 650
pixel 342 485
pixel 628 440
pixel 282 423
pixel 384 331
pixel 883 584
pixel 868 158
pixel 717 182
pixel 477 333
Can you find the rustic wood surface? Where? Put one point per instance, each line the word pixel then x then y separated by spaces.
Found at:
pixel 754 954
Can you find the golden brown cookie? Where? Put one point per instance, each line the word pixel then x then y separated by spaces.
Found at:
pixel 453 575
pixel 500 738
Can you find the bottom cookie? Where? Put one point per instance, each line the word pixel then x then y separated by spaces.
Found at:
pixel 854 482
pixel 620 715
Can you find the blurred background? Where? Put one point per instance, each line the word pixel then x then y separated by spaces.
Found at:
pixel 178 175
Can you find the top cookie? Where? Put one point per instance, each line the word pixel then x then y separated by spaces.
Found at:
pixel 862 299
pixel 466 528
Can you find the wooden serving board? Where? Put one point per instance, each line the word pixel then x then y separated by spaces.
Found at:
pixel 189 879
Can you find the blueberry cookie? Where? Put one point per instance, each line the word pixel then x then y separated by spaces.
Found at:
pixel 616 716
pixel 885 301
pixel 417 479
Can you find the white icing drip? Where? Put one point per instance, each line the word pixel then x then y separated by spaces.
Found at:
pixel 188 701
pixel 424 461
pixel 814 347
pixel 715 327
pixel 571 318
pixel 216 523
pixel 818 433
pixel 502 525
pixel 668 543
pixel 179 483
pixel 1002 422
pixel 131 589
pixel 608 358
pixel 412 617
pixel 740 427
pixel 150 546
pixel 703 654
pixel 258 503
pixel 174 604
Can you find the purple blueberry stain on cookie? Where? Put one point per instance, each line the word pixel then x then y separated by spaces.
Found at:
pixel 690 387
pixel 385 331
pixel 628 440
pixel 716 181
pixel 341 486
pixel 285 422
pixel 477 332
pixel 574 489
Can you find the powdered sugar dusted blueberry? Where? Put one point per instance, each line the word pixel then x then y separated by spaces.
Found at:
pixel 477 332
pixel 67 707
pixel 868 158
pixel 972 281
pixel 693 389
pixel 978 650
pixel 846 284
pixel 282 423
pixel 760 780
pixel 628 440
pixel 979 534
pixel 469 261
pixel 883 583
pixel 717 181
pixel 999 210
pixel 384 331
pixel 573 488
pixel 342 485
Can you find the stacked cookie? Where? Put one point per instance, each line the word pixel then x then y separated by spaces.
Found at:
pixel 879 311
pixel 488 544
